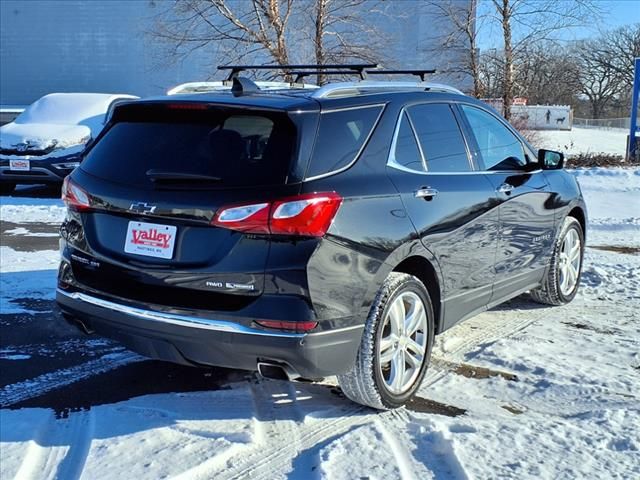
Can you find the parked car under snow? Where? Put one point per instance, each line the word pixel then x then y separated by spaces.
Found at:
pixel 46 141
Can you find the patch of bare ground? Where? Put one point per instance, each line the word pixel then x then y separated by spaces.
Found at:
pixel 583 326
pixel 512 409
pixel 425 405
pixel 473 371
pixel 618 249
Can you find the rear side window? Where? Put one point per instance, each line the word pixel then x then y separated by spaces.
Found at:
pixel 240 150
pixel 341 136
pixel 440 138
pixel 405 152
pixel 499 148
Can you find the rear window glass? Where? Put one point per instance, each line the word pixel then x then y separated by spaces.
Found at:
pixel 238 149
pixel 440 138
pixel 341 136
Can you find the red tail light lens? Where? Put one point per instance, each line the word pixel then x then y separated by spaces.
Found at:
pixel 298 327
pixel 75 197
pixel 307 215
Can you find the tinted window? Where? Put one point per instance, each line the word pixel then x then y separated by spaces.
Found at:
pixel 243 150
pixel 440 138
pixel 499 148
pixel 341 135
pixel 406 151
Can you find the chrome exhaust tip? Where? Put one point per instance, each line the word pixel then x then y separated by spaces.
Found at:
pixel 276 371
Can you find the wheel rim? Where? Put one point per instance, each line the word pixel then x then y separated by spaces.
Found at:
pixel 403 343
pixel 569 262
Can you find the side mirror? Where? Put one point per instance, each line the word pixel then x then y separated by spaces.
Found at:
pixel 550 160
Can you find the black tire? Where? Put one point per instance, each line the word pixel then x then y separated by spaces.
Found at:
pixel 550 293
pixel 7 188
pixel 364 383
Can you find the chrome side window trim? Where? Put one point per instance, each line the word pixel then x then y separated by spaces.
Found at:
pixel 355 107
pixel 473 172
pixel 364 144
pixel 417 140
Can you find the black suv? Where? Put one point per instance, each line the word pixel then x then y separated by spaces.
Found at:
pixel 312 232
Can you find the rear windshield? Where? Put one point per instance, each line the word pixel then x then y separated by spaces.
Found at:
pixel 239 149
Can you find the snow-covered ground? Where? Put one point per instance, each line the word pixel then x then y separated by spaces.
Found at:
pixel 519 392
pixel 585 140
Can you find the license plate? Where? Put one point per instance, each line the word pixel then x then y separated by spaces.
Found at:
pixel 150 239
pixel 20 165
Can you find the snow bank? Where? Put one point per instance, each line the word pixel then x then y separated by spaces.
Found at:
pixel 30 210
pixel 585 140
pixel 613 203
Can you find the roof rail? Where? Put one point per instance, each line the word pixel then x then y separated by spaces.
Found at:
pixel 358 68
pixel 341 89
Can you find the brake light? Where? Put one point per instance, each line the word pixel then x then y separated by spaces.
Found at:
pixel 303 215
pixel 74 197
pixel 299 327
pixel 187 106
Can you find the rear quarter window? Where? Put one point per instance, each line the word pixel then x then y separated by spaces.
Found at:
pixel 341 136
pixel 241 149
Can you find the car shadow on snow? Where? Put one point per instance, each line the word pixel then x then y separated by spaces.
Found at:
pixel 521 302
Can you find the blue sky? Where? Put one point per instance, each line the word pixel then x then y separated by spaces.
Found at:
pixel 615 13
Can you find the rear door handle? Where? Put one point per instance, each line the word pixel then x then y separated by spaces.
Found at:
pixel 505 188
pixel 426 192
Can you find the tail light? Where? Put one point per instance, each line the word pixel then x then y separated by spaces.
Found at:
pixel 307 215
pixel 74 197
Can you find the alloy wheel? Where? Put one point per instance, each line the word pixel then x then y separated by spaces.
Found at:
pixel 403 343
pixel 569 262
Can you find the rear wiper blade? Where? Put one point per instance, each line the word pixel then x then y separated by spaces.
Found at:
pixel 180 177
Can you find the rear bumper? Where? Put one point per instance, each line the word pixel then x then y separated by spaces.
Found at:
pixel 41 171
pixel 195 340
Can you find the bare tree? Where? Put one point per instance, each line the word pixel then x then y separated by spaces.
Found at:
pixel 236 30
pixel 462 27
pixel 491 72
pixel 547 73
pixel 618 48
pixel 262 31
pixel 524 22
pixel 606 67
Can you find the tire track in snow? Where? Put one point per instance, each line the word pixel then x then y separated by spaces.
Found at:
pixel 287 438
pixel 18 392
pixel 477 331
pixel 284 435
pixel 59 449
pixel 409 468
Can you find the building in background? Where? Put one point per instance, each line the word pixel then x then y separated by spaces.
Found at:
pixel 104 46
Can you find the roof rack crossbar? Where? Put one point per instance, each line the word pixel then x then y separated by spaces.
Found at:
pixel 352 68
pixel 417 72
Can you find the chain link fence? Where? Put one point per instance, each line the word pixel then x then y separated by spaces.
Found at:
pixel 624 123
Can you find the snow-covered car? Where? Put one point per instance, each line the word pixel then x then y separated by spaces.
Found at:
pixel 46 141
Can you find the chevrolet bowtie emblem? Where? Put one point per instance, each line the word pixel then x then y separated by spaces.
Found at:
pixel 142 207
